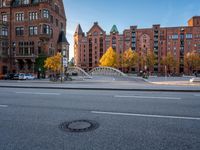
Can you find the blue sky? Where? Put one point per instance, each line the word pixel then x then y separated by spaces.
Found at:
pixel 124 13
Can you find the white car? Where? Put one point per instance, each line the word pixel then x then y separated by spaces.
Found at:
pixel 23 76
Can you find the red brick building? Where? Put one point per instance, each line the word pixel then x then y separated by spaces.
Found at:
pixel 29 28
pixel 89 47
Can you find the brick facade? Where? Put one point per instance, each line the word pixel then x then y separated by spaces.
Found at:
pixel 33 28
pixel 89 47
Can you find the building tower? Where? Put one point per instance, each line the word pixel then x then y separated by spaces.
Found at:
pixel 78 36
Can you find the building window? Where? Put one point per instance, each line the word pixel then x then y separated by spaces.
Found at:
pixel 33 16
pixel 51 32
pixel 19 16
pixel 2 3
pixel 25 2
pixel 4 31
pixel 33 30
pixel 114 40
pixel 188 36
pixel 51 19
pixel 56 9
pixel 19 31
pixel 61 25
pixel 4 18
pixel 45 13
pixel 46 29
pixel 57 22
pixel 175 36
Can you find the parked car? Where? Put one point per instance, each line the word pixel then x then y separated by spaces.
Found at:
pixel 26 76
pixel 21 76
pixel 16 77
pixel 197 74
pixel 9 76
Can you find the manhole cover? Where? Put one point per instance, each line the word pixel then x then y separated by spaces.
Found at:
pixel 79 126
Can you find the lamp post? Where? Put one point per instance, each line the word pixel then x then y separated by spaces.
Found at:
pixel 64 62
pixel 64 48
pixel 39 70
pixel 61 69
pixel 165 71
pixel 145 71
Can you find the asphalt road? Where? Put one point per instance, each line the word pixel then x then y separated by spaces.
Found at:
pixel 30 119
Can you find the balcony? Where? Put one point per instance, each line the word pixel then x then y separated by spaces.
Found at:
pixel 45 20
pixel 30 56
pixel 3 37
pixel 45 37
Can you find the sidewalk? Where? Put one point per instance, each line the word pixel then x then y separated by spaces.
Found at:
pixel 101 85
pixel 179 81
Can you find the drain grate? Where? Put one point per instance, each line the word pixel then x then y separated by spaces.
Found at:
pixel 79 126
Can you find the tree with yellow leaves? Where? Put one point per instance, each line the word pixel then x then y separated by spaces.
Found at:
pixel 169 62
pixel 191 61
pixel 109 59
pixel 130 58
pixel 141 61
pixel 119 61
pixel 53 63
pixel 150 59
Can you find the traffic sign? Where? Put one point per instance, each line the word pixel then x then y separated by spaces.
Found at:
pixel 65 61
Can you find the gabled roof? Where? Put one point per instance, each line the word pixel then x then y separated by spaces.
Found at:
pixel 62 38
pixel 96 25
pixel 79 30
pixel 114 29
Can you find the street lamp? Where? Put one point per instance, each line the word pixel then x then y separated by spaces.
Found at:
pixel 39 70
pixel 64 61
pixel 64 47
pixel 145 68
pixel 165 71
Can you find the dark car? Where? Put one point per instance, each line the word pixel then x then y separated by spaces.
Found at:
pixel 197 74
pixel 16 77
pixel 9 76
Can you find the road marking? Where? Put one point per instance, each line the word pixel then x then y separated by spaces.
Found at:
pixel 37 93
pixel 145 115
pixel 146 97
pixel 197 95
pixel 4 106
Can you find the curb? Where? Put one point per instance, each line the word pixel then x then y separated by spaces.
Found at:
pixel 103 89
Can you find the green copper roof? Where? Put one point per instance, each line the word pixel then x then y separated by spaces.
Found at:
pixel 114 29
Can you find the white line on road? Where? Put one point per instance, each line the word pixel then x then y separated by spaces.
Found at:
pixel 147 97
pixel 197 95
pixel 145 115
pixel 4 106
pixel 37 93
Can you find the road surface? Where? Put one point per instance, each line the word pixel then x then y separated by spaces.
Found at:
pixel 30 119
